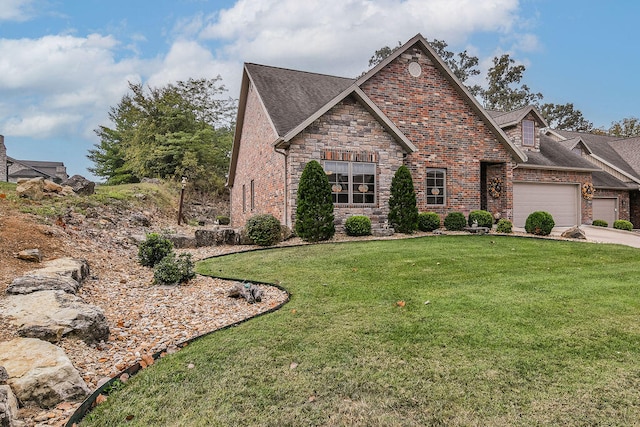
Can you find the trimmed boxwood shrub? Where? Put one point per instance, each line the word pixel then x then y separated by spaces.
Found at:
pixel 403 208
pixel 428 221
pixel 153 249
pixel 504 226
pixel 484 218
pixel 314 209
pixel 539 223
pixel 600 223
pixel 358 225
pixel 172 270
pixel 263 229
pixel 455 221
pixel 622 224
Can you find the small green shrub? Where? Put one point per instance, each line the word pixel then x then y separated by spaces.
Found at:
pixel 600 223
pixel 455 221
pixel 263 229
pixel 223 220
pixel 172 270
pixel 358 225
pixel 428 221
pixel 484 218
pixel 622 224
pixel 153 249
pixel 539 223
pixel 504 226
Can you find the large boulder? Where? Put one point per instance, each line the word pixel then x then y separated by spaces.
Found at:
pixel 81 185
pixel 77 269
pixel 221 236
pixel 31 255
pixel 31 188
pixel 36 282
pixel 51 315
pixel 182 241
pixel 40 372
pixel 574 233
pixel 8 407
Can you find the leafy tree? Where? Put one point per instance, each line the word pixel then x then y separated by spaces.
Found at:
pixel 625 128
pixel 314 211
pixel 566 117
pixel 381 54
pixel 463 67
pixel 504 92
pixel 403 209
pixel 182 129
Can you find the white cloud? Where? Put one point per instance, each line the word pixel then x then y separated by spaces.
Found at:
pixel 42 124
pixel 339 36
pixel 16 10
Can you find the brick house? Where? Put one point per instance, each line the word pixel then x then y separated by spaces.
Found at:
pixel 11 170
pixel 410 109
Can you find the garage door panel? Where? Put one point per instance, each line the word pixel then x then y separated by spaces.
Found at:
pixel 605 209
pixel 560 200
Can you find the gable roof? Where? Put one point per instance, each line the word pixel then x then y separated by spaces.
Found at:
pixel 34 168
pixel 512 118
pixel 629 149
pixel 554 156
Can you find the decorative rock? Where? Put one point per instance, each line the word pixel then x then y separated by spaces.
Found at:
pixel 140 219
pixel 32 255
pixel 77 269
pixel 182 241
pixel 40 372
pixel 51 315
pixel 223 236
pixel 67 191
pixel 35 283
pixel 31 189
pixel 8 407
pixel 574 233
pixel 3 375
pixel 51 187
pixel 248 291
pixel 81 185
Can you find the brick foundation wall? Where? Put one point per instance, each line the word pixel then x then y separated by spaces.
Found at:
pixel 347 128
pixel 260 163
pixel 448 133
pixel 553 176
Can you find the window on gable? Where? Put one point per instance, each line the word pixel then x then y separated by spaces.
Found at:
pixel 436 186
pixel 528 133
pixel 352 182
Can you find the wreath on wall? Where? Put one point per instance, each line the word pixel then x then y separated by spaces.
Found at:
pixel 495 187
pixel 587 191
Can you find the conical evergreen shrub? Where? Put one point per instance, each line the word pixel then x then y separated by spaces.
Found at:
pixel 403 209
pixel 314 211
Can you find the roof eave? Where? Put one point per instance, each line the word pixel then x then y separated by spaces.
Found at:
pixel 612 166
pixel 556 168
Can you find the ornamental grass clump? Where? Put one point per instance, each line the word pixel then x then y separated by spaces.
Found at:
pixel 263 230
pixel 483 218
pixel 154 249
pixel 455 221
pixel 314 209
pixel 539 223
pixel 622 224
pixel 403 208
pixel 358 225
pixel 428 221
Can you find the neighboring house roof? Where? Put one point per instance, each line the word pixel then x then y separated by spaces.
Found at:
pixel 553 155
pixel 629 149
pixel 34 168
pixel 294 99
pixel 605 181
pixel 512 118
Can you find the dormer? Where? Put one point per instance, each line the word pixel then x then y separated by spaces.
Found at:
pixel 522 126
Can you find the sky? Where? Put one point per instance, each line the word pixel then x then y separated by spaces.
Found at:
pixel 64 63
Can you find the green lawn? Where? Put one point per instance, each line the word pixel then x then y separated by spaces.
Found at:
pixel 494 331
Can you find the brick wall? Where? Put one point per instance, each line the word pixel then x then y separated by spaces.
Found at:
pixel 259 163
pixel 449 134
pixel 347 128
pixel 554 176
pixel 634 208
pixel 515 134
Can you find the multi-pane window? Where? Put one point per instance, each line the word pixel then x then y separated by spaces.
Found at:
pixel 352 182
pixel 528 133
pixel 436 186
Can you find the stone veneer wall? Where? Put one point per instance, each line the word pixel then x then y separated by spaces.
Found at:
pixel 260 163
pixel 347 128
pixel 515 134
pixel 522 174
pixel 448 132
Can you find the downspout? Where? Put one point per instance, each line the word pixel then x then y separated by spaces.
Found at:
pixel 287 220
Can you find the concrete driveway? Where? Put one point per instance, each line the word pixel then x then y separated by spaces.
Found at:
pixel 601 235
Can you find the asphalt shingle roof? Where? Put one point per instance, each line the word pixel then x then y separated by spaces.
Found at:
pixel 601 179
pixel 292 96
pixel 554 154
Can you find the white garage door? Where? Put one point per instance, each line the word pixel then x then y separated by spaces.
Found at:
pixel 562 201
pixel 605 209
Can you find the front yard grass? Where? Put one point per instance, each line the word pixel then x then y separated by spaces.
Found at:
pixel 447 330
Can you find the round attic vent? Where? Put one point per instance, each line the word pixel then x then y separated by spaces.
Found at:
pixel 414 69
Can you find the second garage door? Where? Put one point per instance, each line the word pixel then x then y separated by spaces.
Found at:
pixel 605 209
pixel 562 201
